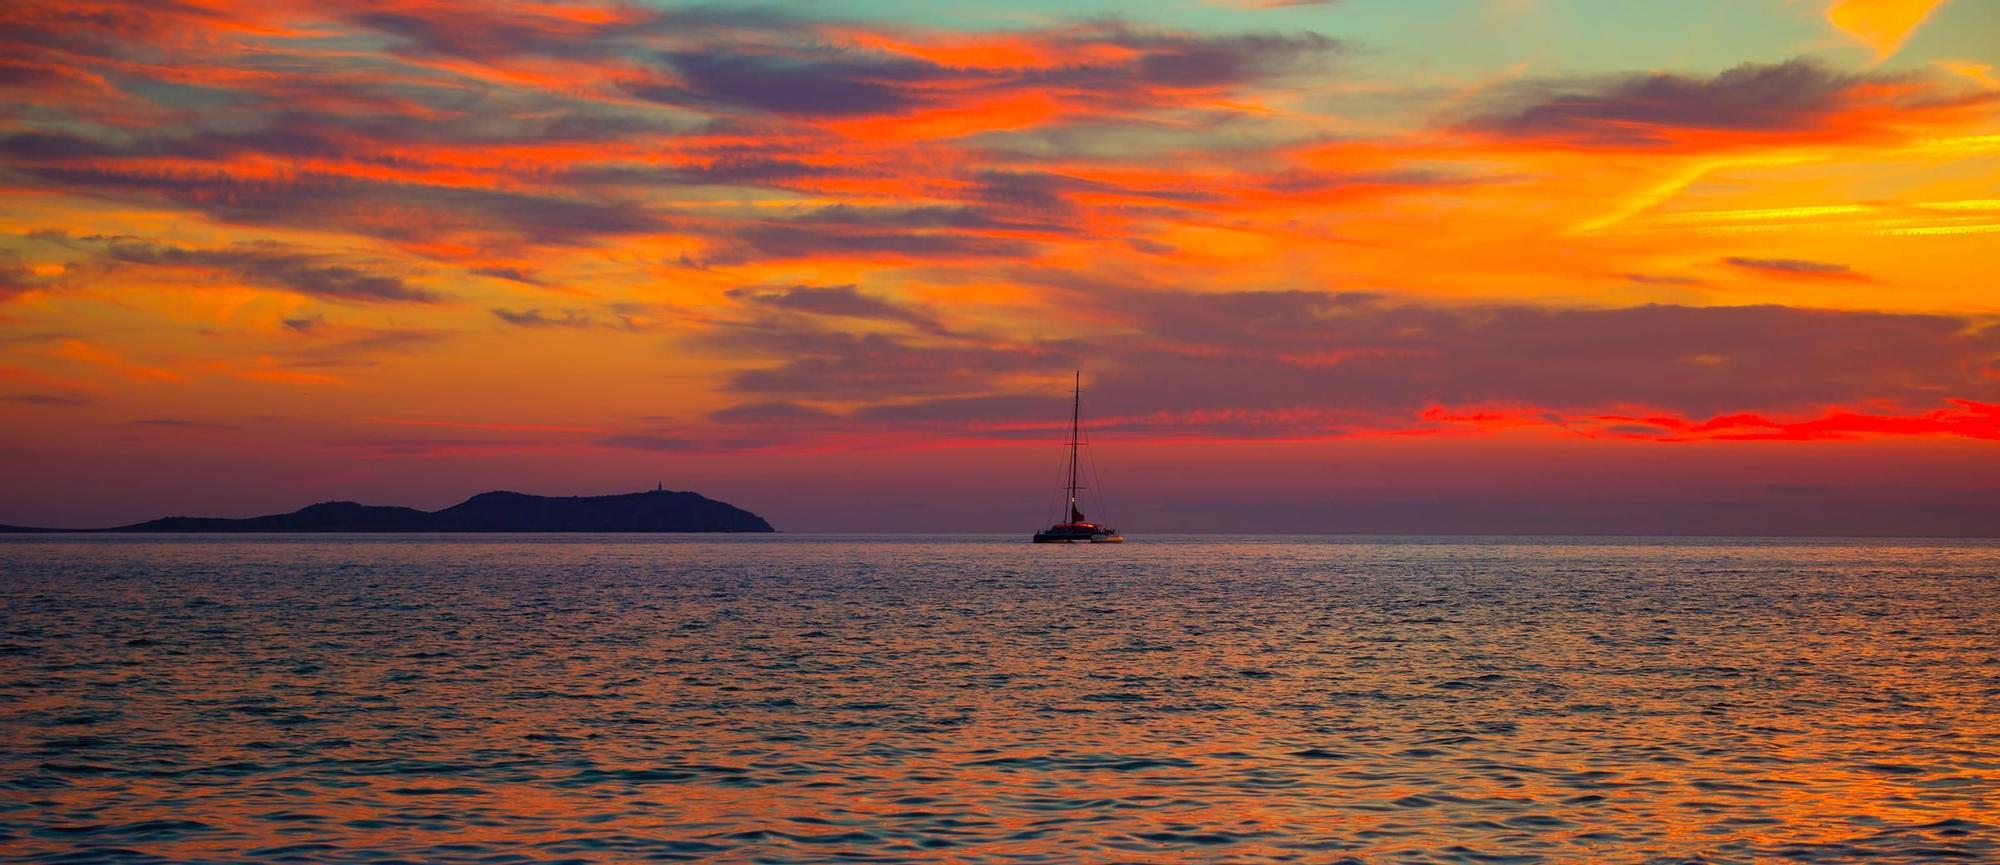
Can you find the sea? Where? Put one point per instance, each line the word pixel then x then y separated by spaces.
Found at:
pixel 978 699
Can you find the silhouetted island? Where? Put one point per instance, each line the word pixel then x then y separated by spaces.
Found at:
pixel 652 511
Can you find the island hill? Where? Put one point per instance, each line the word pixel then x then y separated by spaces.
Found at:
pixel 652 511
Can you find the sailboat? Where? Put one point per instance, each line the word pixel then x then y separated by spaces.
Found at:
pixel 1077 529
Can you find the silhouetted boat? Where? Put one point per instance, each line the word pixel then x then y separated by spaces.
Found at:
pixel 1077 529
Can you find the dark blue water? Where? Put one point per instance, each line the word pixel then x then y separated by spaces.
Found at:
pixel 973 699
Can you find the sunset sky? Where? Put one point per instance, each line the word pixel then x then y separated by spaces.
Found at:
pixel 1365 265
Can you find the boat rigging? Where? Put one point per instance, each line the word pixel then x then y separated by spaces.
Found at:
pixel 1076 528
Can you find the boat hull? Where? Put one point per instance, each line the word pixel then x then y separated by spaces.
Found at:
pixel 1068 537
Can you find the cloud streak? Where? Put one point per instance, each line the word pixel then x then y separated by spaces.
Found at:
pixel 534 318
pixel 1310 364
pixel 1799 99
pixel 1795 267
pixel 841 301
pixel 306 273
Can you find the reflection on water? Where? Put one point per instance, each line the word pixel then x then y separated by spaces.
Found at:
pixel 811 699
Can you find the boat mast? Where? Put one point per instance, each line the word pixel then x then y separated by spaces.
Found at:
pixel 1075 424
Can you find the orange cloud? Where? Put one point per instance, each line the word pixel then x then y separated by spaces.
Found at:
pixel 96 355
pixel 1882 25
pixel 269 369
pixel 500 427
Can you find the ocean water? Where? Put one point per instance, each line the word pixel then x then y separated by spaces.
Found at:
pixel 980 699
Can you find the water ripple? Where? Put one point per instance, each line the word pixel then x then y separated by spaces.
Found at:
pixel 821 699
